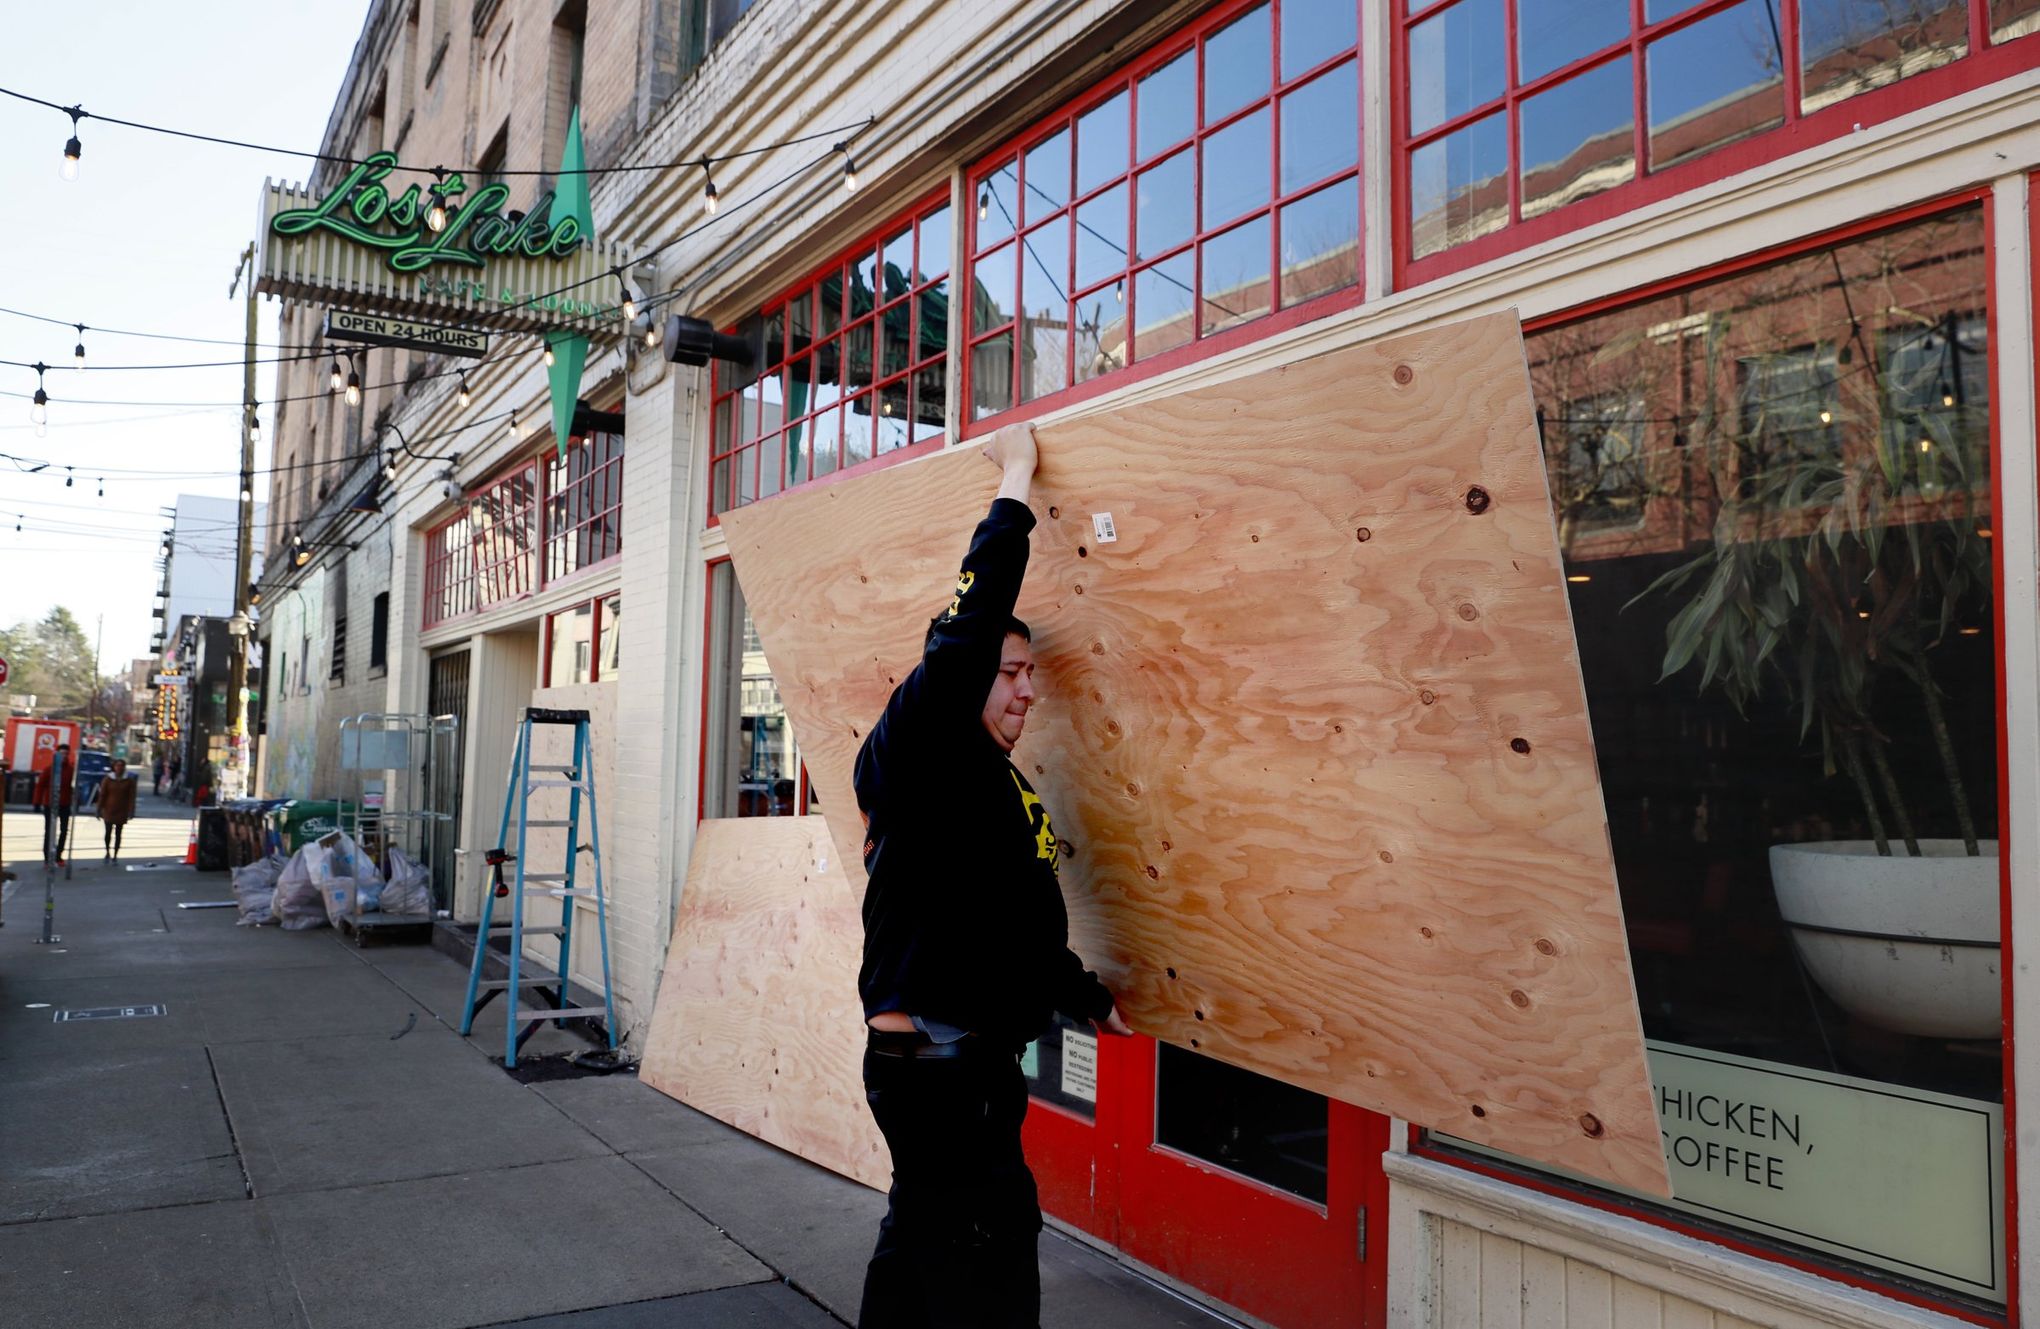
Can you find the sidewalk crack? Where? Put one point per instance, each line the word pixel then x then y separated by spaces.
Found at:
pixel 233 1136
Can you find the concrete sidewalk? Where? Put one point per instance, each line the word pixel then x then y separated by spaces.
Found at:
pixel 301 1138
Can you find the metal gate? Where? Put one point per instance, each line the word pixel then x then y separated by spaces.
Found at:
pixel 449 688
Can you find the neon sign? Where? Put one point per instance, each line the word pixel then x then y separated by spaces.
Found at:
pixel 360 209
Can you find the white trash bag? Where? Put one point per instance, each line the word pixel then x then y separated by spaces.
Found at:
pixel 409 890
pixel 297 903
pixel 255 890
pixel 346 878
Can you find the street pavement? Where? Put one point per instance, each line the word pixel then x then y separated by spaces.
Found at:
pixel 301 1138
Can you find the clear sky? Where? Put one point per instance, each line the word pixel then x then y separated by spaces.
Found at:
pixel 145 238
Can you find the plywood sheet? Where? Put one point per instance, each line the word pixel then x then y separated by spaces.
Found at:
pixel 757 1021
pixel 1313 724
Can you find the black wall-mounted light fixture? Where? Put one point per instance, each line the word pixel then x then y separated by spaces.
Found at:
pixel 694 341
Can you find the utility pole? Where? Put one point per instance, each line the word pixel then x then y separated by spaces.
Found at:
pixel 233 781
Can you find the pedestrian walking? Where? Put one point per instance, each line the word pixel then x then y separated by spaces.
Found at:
pixel 158 786
pixel 114 800
pixel 966 947
pixel 56 810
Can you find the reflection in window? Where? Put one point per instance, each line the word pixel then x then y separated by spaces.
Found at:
pixel 1717 81
pixel 1578 138
pixel 1459 187
pixel 1852 46
pixel 1773 494
pixel 753 763
pixel 1458 61
pixel 1793 646
pixel 571 658
pixel 848 368
pixel 1056 285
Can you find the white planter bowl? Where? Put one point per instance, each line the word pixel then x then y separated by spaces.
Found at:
pixel 1908 944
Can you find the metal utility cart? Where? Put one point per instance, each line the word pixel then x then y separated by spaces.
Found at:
pixel 393 757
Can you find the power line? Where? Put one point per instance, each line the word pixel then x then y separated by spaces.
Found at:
pixel 79 113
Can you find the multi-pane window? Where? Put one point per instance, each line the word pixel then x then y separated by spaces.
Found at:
pixel 512 535
pixel 1512 109
pixel 1209 184
pixel 583 504
pixel 848 367
pixel 581 642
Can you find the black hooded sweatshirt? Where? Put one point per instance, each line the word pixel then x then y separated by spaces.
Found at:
pixel 964 920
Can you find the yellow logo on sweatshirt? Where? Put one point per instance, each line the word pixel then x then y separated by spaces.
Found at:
pixel 964 581
pixel 1045 845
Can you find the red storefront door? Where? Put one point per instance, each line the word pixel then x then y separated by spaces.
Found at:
pixel 1265 1196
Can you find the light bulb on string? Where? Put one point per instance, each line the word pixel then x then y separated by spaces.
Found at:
pixel 39 404
pixel 353 386
pixel 984 203
pixel 435 202
pixel 389 469
pixel 708 199
pixel 78 351
pixel 462 397
pixel 628 304
pixel 102 486
pixel 254 425
pixel 68 477
pixel 334 380
pixel 548 355
pixel 849 168
pixel 1119 291
pixel 72 148
pixel 513 423
pixel 1827 417
pixel 652 334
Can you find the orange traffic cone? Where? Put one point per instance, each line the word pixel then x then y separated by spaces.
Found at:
pixel 191 849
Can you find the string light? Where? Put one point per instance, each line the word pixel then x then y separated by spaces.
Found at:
pixel 435 202
pixel 652 334
pixel 1827 417
pixel 548 355
pixel 102 486
pixel 389 469
pixel 334 381
pixel 984 203
pixel 849 168
pixel 68 477
pixel 72 148
pixel 78 351
pixel 462 397
pixel 39 405
pixel 353 382
pixel 513 422
pixel 254 425
pixel 708 200
pixel 629 304
pixel 247 488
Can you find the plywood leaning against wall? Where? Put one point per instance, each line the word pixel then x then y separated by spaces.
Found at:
pixel 1312 722
pixel 757 1022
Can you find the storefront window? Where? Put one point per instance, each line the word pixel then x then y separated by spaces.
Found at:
pixel 754 766
pixel 571 658
pixel 1489 142
pixel 1211 183
pixel 1241 1121
pixel 1773 491
pixel 847 368
pixel 583 504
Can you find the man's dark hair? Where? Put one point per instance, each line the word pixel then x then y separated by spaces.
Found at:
pixel 1015 627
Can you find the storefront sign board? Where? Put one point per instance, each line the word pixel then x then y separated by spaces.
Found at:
pixel 390 330
pixel 1898 1178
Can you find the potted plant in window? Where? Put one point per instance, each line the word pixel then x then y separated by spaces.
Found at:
pixel 1836 578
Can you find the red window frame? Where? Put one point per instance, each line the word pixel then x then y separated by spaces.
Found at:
pixel 738 432
pixel 1125 81
pixel 462 577
pixel 1984 63
pixel 598 616
pixel 803 797
pixel 583 506
pixel 1807 1261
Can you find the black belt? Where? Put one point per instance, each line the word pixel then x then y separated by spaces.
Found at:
pixel 887 1043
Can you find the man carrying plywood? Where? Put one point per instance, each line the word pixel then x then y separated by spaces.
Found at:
pixel 966 946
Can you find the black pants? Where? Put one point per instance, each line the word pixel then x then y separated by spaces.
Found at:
pixel 958 1244
pixel 60 834
pixel 112 830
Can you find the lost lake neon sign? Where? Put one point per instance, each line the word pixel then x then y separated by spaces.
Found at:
pixel 360 209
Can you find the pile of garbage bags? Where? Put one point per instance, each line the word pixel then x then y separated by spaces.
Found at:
pixel 326 879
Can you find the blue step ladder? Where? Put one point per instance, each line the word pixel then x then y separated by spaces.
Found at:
pixel 579 781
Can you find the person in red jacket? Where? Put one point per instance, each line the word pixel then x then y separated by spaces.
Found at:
pixel 65 792
pixel 966 946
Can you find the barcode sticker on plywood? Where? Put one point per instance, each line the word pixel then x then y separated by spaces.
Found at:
pixel 1102 527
